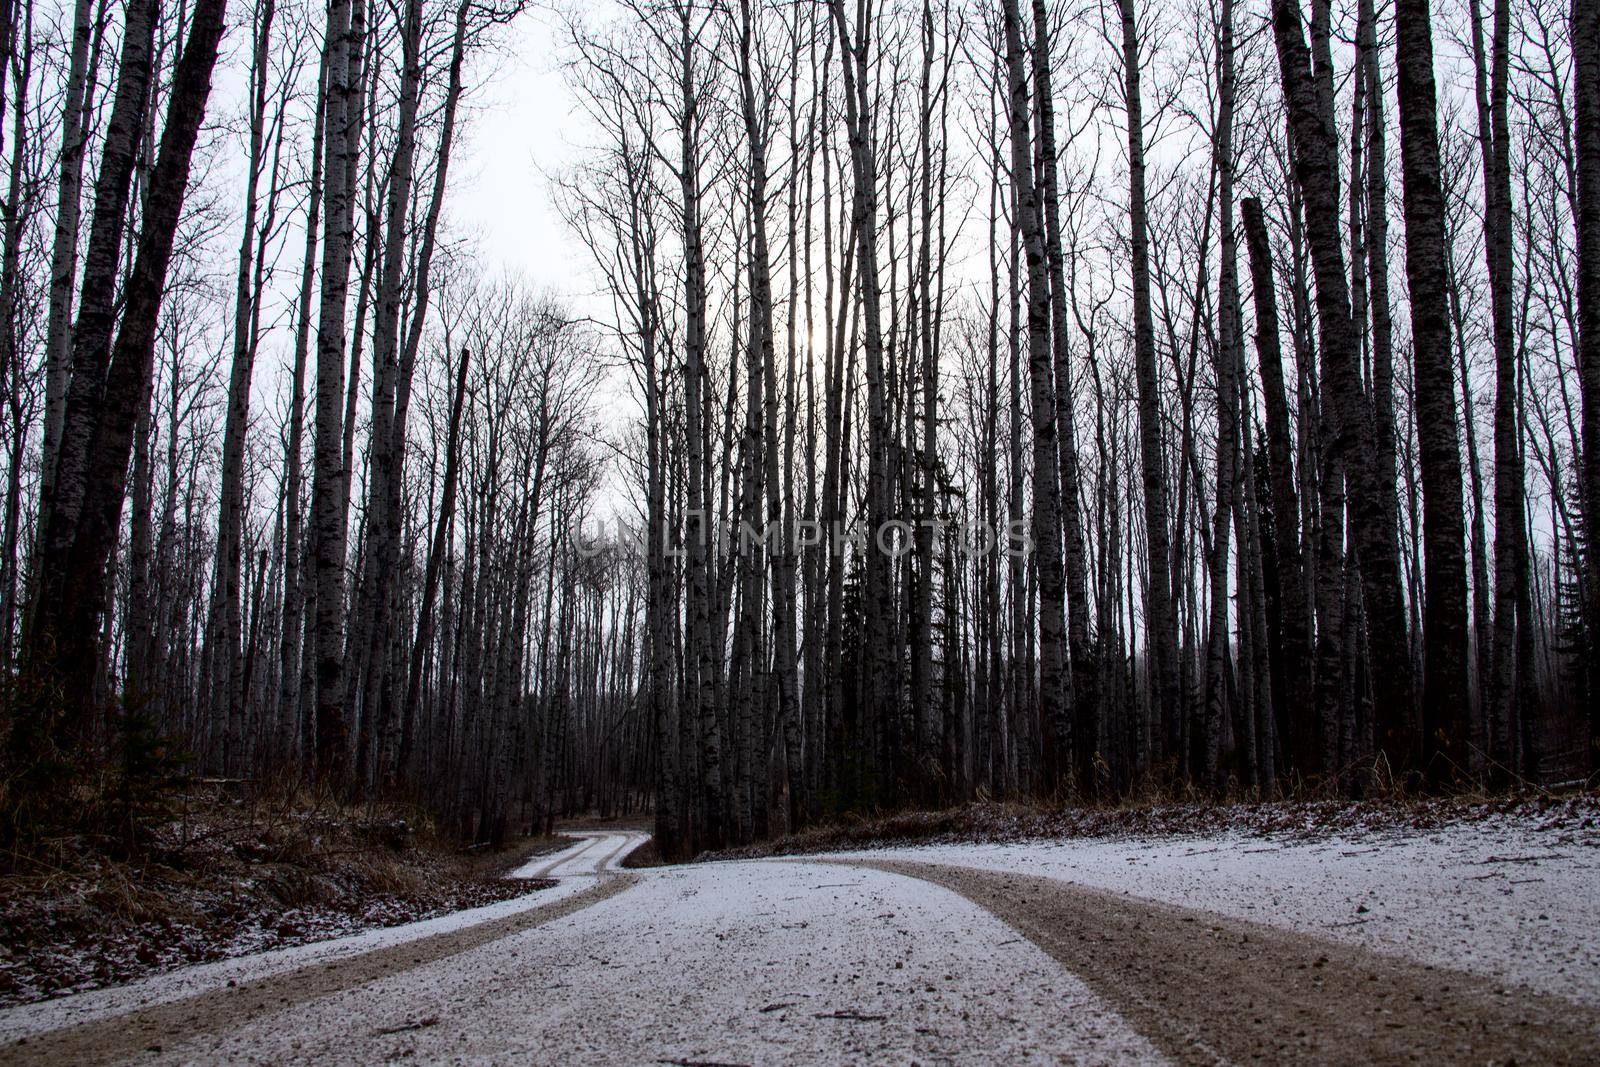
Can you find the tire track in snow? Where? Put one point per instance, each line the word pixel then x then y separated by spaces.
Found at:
pixel 1205 988
pixel 540 867
pixel 597 852
pixel 613 862
pixel 770 963
pixel 150 1029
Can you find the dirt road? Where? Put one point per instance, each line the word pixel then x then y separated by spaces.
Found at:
pixel 888 957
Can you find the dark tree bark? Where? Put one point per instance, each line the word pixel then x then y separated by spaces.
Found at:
pixel 880 688
pixel 1292 674
pixel 1161 628
pixel 1316 175
pixel 1585 30
pixel 1377 266
pixel 1080 687
pixel 73 568
pixel 61 500
pixel 761 310
pixel 1444 627
pixel 1053 708
pixel 345 35
pixel 923 706
pixel 369 638
pixel 1510 679
pixel 76 104
pixel 438 545
pixel 394 751
pixel 223 632
pixel 1226 358
pixel 292 732
pixel 701 656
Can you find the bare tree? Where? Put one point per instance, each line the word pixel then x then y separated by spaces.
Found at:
pixel 1444 690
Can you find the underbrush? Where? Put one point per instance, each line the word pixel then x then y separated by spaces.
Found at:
pixel 220 875
pixel 995 822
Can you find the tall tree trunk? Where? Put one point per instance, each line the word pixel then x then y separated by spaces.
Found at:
pixel 1585 31
pixel 75 108
pixel 293 732
pixel 74 569
pixel 880 689
pixel 1217 649
pixel 1292 675
pixel 701 655
pixel 1053 710
pixel 224 698
pixel 1511 667
pixel 369 637
pixel 923 708
pixel 346 33
pixel 59 508
pixel 1350 416
pixel 1444 627
pixel 783 563
pixel 1161 627
pixel 1377 268
pixel 395 737
pixel 1080 682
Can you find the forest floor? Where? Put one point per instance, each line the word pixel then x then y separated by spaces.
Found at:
pixel 225 877
pixel 1462 936
pixel 988 822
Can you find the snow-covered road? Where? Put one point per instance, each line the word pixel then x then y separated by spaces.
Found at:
pixel 595 852
pixel 1472 944
pixel 1501 899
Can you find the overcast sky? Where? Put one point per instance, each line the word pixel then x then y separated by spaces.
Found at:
pixel 521 129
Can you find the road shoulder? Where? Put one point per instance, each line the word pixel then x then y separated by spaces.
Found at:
pixel 1204 987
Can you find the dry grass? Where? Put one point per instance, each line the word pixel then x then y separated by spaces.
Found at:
pixel 225 876
pixel 646 855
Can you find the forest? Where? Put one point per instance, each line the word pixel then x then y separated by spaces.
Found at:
pixel 1078 401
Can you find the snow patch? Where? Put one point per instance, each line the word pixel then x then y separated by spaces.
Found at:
pixel 776 962
pixel 26 1019
pixel 1512 898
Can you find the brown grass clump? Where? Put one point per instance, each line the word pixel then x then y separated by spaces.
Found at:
pixel 225 875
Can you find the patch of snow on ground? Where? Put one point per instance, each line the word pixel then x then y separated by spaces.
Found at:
pixel 1503 898
pixel 592 853
pixel 27 1019
pixel 781 962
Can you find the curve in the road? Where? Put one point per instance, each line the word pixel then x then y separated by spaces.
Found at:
pixel 872 975
pixel 118 1036
pixel 1206 988
pixel 594 852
